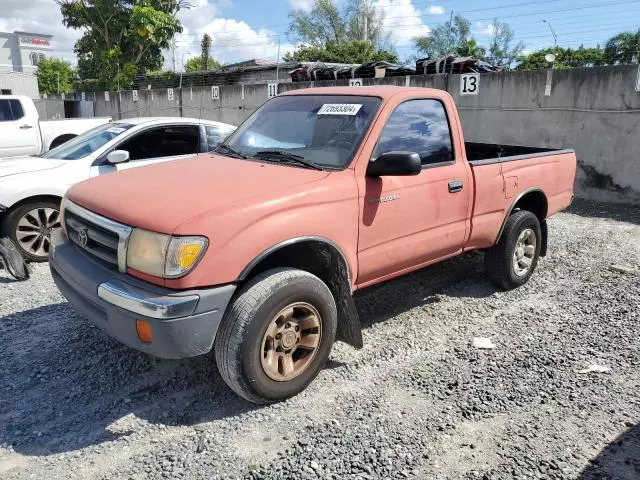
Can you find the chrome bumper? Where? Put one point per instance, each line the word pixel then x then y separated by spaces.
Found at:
pixel 141 302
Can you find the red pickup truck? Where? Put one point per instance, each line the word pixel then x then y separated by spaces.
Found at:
pixel 254 250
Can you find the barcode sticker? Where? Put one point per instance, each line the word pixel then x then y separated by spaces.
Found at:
pixel 340 109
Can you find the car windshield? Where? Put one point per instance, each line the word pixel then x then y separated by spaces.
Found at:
pixel 88 142
pixel 308 131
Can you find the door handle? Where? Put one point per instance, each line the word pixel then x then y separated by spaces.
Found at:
pixel 455 186
pixel 25 127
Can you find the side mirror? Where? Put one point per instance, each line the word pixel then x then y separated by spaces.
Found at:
pixel 394 164
pixel 118 156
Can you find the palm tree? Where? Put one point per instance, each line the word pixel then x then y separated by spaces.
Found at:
pixel 623 48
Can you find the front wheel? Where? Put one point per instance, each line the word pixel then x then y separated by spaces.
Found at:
pixel 276 335
pixel 512 261
pixel 30 226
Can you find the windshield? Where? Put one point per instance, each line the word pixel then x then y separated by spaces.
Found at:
pixel 323 130
pixel 88 142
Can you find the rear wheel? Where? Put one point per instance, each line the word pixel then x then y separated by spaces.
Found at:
pixel 30 226
pixel 276 335
pixel 511 262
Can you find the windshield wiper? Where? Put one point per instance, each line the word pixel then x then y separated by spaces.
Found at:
pixel 229 151
pixel 289 156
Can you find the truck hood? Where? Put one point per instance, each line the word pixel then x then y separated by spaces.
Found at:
pixel 160 197
pixel 18 165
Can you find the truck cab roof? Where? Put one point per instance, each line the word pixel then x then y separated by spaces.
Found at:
pixel 384 92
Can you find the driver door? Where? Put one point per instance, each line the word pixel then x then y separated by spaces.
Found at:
pixel 154 145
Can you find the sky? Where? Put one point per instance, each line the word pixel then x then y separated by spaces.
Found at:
pixel 246 29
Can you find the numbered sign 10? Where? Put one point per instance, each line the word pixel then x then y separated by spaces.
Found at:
pixel 215 93
pixel 272 90
pixel 470 84
pixel 355 82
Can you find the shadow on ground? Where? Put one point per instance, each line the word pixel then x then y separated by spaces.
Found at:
pixel 64 383
pixel 622 212
pixel 620 460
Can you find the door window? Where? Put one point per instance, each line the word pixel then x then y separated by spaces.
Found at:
pixel 5 111
pixel 16 109
pixel 419 126
pixel 163 142
pixel 215 136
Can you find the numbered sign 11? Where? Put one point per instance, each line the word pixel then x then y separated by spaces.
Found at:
pixel 470 84
pixel 272 90
pixel 134 95
pixel 355 82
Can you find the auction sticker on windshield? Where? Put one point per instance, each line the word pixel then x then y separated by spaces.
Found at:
pixel 339 109
pixel 116 130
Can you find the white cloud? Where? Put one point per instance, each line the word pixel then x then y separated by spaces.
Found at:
pixel 40 16
pixel 483 30
pixel 233 40
pixel 305 5
pixel 402 21
pixel 435 10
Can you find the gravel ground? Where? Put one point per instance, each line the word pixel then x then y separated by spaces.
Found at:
pixel 419 401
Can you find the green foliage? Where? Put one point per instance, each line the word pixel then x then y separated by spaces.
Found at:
pixel 446 39
pixel 471 49
pixel 352 51
pixel 159 78
pixel 502 51
pixel 565 58
pixel 327 33
pixel 121 38
pixel 55 76
pixel 205 45
pixel 195 64
pixel 623 48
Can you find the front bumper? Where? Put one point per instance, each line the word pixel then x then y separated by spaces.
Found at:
pixel 184 324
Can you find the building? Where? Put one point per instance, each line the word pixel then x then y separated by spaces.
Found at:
pixel 18 83
pixel 22 51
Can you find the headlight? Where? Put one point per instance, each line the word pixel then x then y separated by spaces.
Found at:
pixel 163 255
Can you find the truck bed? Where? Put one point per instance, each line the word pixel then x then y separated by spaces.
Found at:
pixel 483 153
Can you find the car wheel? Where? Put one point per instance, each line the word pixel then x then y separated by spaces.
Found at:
pixel 513 260
pixel 30 226
pixel 276 335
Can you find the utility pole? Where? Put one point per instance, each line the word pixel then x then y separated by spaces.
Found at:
pixel 555 37
pixel 366 20
pixel 449 46
pixel 278 63
pixel 58 72
pixel 173 51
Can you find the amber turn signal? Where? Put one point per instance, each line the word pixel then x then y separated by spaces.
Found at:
pixel 143 329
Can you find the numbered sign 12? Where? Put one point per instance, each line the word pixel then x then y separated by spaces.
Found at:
pixel 470 84
pixel 272 90
pixel 355 82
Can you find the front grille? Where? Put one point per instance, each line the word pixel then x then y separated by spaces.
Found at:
pixel 97 235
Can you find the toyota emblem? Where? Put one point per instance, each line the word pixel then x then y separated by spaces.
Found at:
pixel 83 237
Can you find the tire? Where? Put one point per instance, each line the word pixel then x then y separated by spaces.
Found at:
pixel 38 218
pixel 502 266
pixel 243 343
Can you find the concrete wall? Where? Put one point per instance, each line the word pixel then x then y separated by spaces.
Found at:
pixel 594 110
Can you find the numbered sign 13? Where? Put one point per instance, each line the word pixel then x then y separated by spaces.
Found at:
pixel 470 84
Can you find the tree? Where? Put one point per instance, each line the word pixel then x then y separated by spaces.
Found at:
pixel 471 49
pixel 623 48
pixel 328 32
pixel 565 58
pixel 205 45
pixel 195 64
pixel 121 38
pixel 445 39
pixel 353 51
pixel 55 76
pixel 502 52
